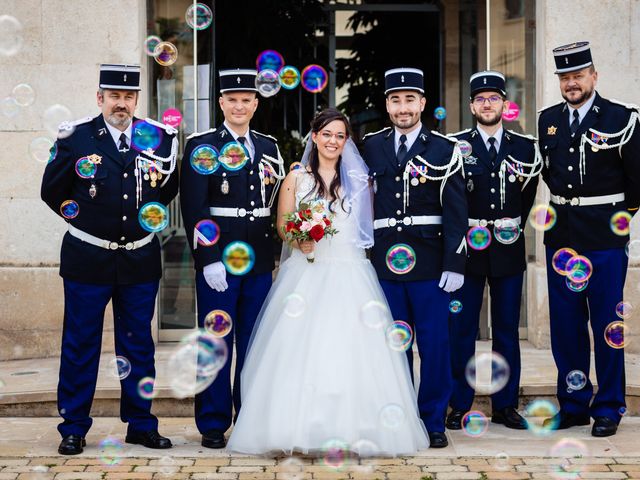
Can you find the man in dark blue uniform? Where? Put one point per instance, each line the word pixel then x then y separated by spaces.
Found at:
pixel 591 154
pixel 501 173
pixel 420 214
pixel 238 196
pixel 99 180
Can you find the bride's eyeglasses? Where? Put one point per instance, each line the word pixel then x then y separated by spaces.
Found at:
pixel 340 137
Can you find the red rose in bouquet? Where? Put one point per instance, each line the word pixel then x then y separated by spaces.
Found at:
pixel 310 222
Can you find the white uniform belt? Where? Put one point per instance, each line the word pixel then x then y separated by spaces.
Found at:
pixel 587 201
pixel 475 222
pixel 107 244
pixel 239 212
pixel 413 220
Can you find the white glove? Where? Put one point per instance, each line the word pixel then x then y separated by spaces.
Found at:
pixel 216 276
pixel 451 281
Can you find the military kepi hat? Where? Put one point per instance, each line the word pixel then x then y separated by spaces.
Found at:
pixel 487 81
pixel 119 77
pixel 238 80
pixel 572 57
pixel 403 79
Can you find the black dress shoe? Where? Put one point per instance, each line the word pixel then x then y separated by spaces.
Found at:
pixel 510 418
pixel 214 439
pixel 150 439
pixel 454 419
pixel 562 420
pixel 604 427
pixel 437 440
pixel 71 445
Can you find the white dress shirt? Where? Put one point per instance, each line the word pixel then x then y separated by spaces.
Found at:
pixel 411 137
pixel 115 133
pixel 497 136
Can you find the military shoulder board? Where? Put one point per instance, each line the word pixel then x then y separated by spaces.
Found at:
pixel 167 128
pixel 523 135
pixel 451 139
pixel 199 134
pixel 371 134
pixel 461 132
pixel 64 126
pixel 630 106
pixel 273 139
pixel 549 106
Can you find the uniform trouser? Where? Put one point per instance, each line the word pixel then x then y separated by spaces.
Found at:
pixel 506 294
pixel 84 307
pixel 425 306
pixel 242 301
pixel 570 313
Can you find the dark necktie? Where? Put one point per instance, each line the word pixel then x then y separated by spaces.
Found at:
pixel 243 140
pixel 122 146
pixel 575 123
pixel 402 150
pixel 493 153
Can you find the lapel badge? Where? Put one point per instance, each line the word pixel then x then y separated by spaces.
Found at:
pixel 95 159
pixel 93 191
pixel 224 188
pixel 470 185
pixel 551 130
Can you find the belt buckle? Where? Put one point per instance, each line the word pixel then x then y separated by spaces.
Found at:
pixel 483 223
pixel 497 223
pixel 575 201
pixel 407 221
pixel 113 245
pixel 392 222
pixel 255 212
pixel 128 246
pixel 242 212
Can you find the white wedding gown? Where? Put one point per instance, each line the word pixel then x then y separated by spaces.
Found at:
pixel 316 371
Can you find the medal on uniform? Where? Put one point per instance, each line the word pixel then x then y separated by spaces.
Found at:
pixel 470 185
pixel 423 180
pixel 224 188
pixel 95 159
pixel 159 175
pixel 93 190
pixel 146 176
pixel 512 178
pixel 415 182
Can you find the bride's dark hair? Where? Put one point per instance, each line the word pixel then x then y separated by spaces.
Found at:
pixel 321 120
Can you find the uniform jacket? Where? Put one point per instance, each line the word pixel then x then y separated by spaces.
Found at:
pixel 112 213
pixel 200 192
pixel 605 172
pixel 437 248
pixel 482 182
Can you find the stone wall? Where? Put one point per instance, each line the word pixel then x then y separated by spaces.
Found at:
pixel 64 42
pixel 614 34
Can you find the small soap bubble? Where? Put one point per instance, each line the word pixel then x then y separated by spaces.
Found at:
pixel 401 258
pixel 576 380
pixel 487 372
pixel 153 217
pixel 392 416
pixel 24 94
pixel 507 231
pixel 543 217
pixel 146 388
pixel 314 78
pixel 9 107
pixel 69 209
pixel 199 17
pixel 621 223
pixel 560 259
pixel 478 237
pixel 55 117
pixel 11 35
pixel 616 333
pixel 110 451
pixel 624 310
pixel 475 423
pixel 218 323
pixel 374 314
pixel 40 149
pixel 335 455
pixel 440 113
pixel 119 367
pixel 455 306
pixel 268 83
pixel 536 413
pixel 150 44
pixel 289 77
pixel 294 305
pixel 399 336
pixel 165 54
pixel 207 232
pixel 233 156
pixel 238 258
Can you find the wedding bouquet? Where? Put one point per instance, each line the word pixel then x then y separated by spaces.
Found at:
pixel 312 221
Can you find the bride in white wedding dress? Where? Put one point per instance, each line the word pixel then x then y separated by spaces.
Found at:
pixel 319 368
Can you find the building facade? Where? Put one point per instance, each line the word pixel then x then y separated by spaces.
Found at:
pixel 355 41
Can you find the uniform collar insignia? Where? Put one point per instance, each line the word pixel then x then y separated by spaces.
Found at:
pixel 596 109
pixel 423 137
pixel 551 130
pixel 222 133
pixel 507 136
pixel 474 133
pixel 102 131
